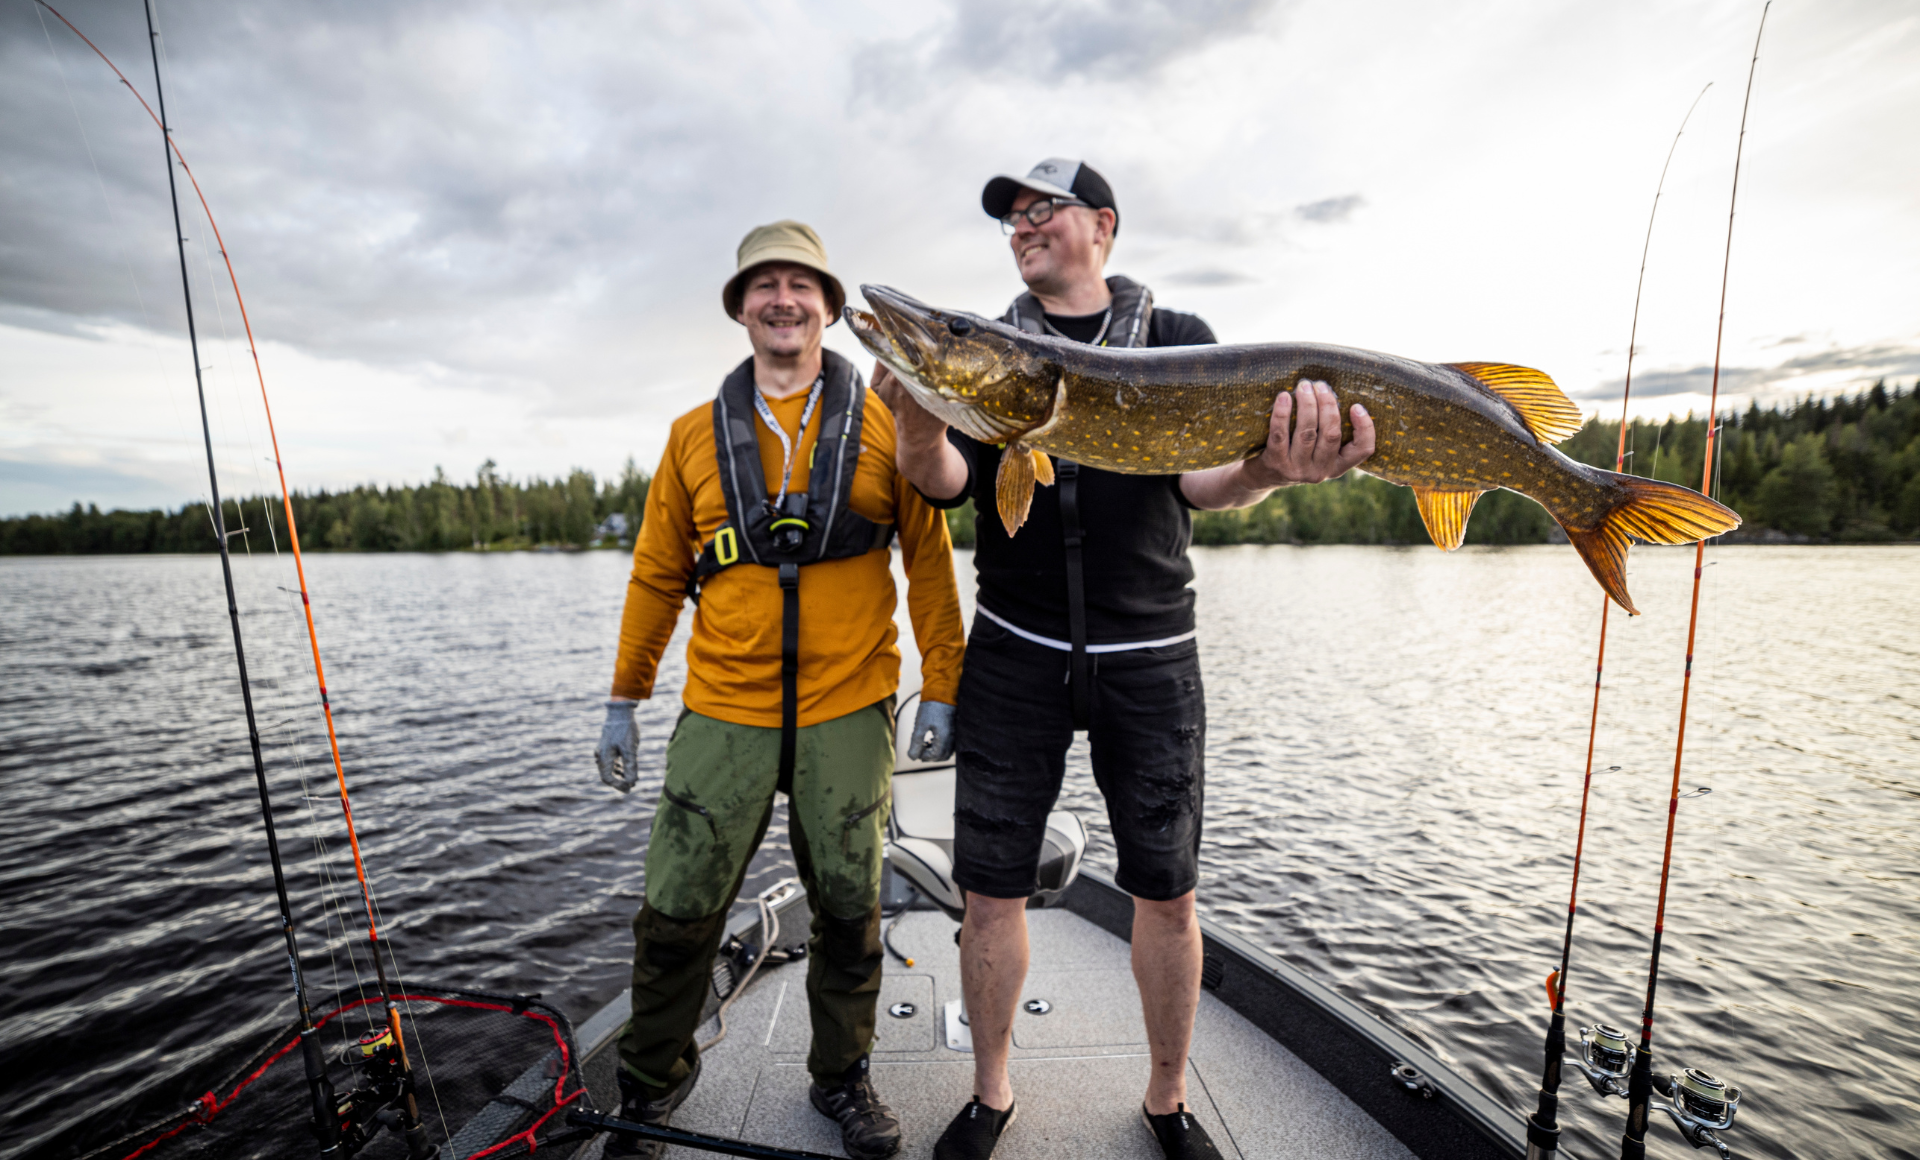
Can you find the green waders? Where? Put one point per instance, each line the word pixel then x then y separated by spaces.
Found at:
pixel 713 812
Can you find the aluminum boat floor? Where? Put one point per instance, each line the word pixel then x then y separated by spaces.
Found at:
pixel 1079 1070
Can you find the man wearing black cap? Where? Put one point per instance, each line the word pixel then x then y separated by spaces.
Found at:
pixel 1085 621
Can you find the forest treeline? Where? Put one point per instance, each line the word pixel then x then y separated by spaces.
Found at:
pixel 494 511
pixel 1839 469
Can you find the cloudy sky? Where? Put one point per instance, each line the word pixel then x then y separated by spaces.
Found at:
pixel 473 230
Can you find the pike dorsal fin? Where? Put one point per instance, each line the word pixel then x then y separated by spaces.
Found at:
pixel 1445 514
pixel 1543 406
pixel 1020 468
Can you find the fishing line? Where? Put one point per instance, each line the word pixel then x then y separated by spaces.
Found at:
pixel 230 381
pixel 320 1089
pixel 324 1121
pixel 330 908
pixel 1687 1091
pixel 1543 1129
pixel 413 1018
pixel 118 231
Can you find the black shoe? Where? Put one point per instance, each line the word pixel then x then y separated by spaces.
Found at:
pixel 868 1127
pixel 974 1132
pixel 635 1106
pixel 1179 1135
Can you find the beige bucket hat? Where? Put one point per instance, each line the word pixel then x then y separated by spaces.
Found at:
pixel 785 241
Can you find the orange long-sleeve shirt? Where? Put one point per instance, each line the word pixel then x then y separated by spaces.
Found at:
pixel 849 657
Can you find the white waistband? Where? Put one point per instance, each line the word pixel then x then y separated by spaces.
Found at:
pixel 1066 646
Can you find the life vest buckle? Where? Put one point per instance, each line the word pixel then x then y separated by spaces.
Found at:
pixel 790 526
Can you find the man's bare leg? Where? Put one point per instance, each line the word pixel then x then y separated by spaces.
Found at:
pixel 993 968
pixel 1166 966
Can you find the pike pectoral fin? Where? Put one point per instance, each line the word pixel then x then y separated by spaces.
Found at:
pixel 1544 407
pixel 1043 468
pixel 1445 514
pixel 1020 467
pixel 1659 513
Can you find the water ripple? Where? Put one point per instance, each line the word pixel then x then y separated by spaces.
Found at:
pixel 1394 748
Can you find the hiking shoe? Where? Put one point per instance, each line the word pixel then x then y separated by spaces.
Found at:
pixel 636 1107
pixel 1179 1135
pixel 974 1132
pixel 868 1127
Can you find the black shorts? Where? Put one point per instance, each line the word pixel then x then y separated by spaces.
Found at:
pixel 1014 723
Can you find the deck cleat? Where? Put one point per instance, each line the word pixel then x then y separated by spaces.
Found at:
pixel 1605 1058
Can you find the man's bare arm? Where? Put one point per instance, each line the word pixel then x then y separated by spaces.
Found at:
pixel 1312 453
pixel 922 452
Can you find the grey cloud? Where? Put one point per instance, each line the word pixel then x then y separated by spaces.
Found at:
pixel 1060 39
pixel 1330 209
pixel 1207 276
pixel 1050 42
pixel 1872 361
pixel 498 193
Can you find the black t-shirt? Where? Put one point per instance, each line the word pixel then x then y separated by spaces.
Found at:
pixel 1137 530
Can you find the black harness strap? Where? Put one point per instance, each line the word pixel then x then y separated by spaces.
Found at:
pixel 1067 475
pixel 789 673
pixel 1129 318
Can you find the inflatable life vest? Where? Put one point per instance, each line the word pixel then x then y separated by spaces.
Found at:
pixel 803 527
pixel 1128 316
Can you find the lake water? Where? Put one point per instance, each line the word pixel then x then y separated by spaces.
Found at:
pixel 1394 752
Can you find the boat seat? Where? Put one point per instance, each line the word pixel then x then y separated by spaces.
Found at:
pixel 920 830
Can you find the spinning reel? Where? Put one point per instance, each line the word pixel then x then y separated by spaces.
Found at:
pixel 380 1098
pixel 1700 1103
pixel 1605 1058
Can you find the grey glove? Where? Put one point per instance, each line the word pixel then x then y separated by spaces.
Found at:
pixel 932 732
pixel 619 751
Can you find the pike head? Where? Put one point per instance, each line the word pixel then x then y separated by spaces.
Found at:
pixel 990 380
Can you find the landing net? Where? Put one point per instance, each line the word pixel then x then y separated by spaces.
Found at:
pixel 505 1093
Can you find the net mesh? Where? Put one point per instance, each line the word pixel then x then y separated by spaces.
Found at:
pixel 504 1072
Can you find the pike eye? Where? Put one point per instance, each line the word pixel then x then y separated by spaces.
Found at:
pixel 960 327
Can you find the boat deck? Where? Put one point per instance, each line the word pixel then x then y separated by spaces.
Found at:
pixel 1079 1069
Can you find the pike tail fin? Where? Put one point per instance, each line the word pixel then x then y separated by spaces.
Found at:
pixel 1659 513
pixel 1020 468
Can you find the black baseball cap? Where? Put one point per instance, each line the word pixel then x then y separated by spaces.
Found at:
pixel 1055 177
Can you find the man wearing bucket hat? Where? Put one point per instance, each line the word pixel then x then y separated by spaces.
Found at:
pixel 1085 622
pixel 773 508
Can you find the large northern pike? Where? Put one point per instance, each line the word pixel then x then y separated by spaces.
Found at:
pixel 1451 431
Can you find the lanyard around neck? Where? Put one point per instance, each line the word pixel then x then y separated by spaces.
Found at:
pixel 787 445
pixel 1096 339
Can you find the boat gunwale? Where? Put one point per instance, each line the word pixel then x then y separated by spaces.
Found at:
pixel 1458 1122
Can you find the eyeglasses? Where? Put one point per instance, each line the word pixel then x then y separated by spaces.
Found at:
pixel 1039 213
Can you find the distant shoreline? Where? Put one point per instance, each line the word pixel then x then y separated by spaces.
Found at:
pixel 545 550
pixel 1841 470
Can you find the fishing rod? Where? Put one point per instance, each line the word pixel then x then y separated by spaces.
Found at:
pixel 383 1056
pixel 1700 1104
pixel 326 1127
pixel 1543 1128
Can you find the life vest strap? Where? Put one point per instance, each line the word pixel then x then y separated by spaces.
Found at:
pixel 1067 473
pixel 789 674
